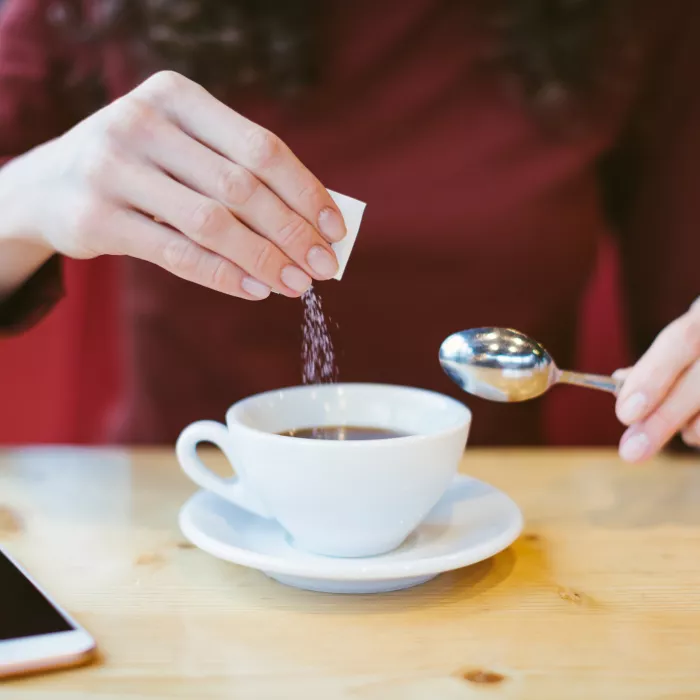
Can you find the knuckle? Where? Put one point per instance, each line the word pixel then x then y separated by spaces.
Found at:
pixel 181 256
pixel 187 260
pixel 220 276
pixel 163 84
pixel 236 185
pixel 262 148
pixel 263 257
pixel 130 120
pixel 313 195
pixel 101 165
pixel 208 220
pixel 294 232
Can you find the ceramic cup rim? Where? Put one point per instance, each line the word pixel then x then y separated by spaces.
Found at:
pixel 463 416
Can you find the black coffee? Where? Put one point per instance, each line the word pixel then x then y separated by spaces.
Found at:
pixel 344 432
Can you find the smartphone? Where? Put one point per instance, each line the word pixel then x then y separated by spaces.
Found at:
pixel 35 633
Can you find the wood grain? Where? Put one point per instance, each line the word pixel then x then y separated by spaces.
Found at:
pixel 600 598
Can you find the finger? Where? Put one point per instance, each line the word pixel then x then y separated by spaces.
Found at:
pixel 691 432
pixel 622 374
pixel 251 200
pixel 244 142
pixel 207 223
pixel 673 351
pixel 682 402
pixel 138 236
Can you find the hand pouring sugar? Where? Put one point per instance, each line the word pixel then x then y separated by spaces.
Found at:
pixel 319 364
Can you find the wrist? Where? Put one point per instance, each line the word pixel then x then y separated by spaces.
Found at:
pixel 23 249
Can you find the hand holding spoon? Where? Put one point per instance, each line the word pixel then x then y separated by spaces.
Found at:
pixel 504 365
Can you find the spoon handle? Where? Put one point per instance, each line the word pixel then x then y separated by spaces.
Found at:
pixel 592 381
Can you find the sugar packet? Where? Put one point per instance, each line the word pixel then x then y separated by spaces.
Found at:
pixel 352 211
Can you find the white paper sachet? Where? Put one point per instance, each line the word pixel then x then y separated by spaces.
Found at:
pixel 352 211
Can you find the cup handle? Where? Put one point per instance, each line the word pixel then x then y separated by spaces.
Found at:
pixel 233 489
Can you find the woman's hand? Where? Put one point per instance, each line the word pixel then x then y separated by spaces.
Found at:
pixel 661 393
pixel 170 175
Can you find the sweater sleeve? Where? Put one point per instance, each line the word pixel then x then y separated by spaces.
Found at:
pixel 27 305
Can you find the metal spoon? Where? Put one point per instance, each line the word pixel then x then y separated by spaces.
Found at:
pixel 501 364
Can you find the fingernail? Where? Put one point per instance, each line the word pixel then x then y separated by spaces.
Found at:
pixel 621 373
pixel 322 262
pixel 331 224
pixel 254 288
pixel 634 447
pixel 297 280
pixel 632 409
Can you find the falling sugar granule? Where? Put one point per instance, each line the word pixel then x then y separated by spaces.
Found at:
pixel 317 353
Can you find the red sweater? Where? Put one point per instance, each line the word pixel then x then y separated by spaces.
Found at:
pixel 474 217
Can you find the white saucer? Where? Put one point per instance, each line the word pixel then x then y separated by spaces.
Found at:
pixel 472 522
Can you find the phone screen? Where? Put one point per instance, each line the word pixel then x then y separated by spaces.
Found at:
pixel 24 611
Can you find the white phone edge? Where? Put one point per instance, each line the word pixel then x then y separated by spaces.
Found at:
pixel 47 651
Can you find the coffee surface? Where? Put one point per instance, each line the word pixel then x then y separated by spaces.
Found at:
pixel 344 432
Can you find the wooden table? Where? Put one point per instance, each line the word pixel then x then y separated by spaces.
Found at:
pixel 599 599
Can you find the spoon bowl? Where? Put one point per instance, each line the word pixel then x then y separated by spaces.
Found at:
pixel 501 364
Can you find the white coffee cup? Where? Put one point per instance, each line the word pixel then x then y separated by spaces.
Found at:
pixel 334 497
